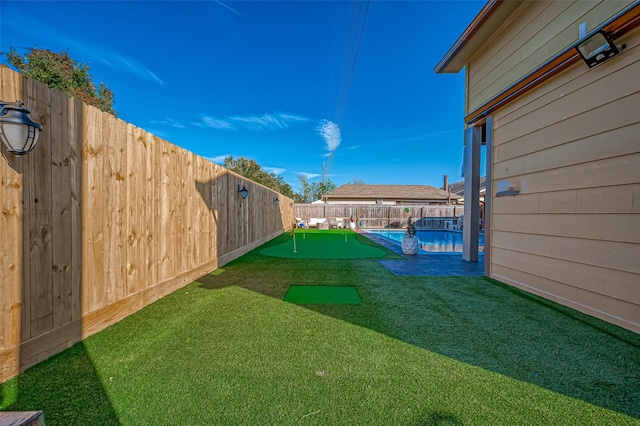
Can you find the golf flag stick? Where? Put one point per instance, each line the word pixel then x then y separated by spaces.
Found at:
pixel 294 241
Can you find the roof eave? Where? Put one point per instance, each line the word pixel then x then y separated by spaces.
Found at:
pixel 492 15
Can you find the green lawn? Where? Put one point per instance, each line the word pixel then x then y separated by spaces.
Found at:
pixel 228 350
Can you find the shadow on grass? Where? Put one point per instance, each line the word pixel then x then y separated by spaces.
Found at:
pixel 75 397
pixel 440 419
pixel 475 320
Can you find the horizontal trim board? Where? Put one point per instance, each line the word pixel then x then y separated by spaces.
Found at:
pixel 491 16
pixel 559 31
pixel 574 79
pixel 563 106
pixel 505 44
pixel 617 26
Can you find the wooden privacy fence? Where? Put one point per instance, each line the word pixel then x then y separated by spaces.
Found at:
pixel 103 218
pixel 383 216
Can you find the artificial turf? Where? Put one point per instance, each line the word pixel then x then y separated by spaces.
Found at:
pixel 419 350
pixel 322 294
pixel 326 244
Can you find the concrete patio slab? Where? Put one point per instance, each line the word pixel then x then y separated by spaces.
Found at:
pixel 427 264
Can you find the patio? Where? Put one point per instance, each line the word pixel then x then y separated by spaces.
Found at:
pixel 227 349
pixel 428 264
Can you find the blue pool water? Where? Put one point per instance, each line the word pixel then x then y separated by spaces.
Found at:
pixel 431 241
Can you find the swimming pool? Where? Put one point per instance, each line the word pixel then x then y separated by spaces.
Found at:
pixel 430 241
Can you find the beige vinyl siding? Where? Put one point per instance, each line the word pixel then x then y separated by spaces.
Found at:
pixel 573 148
pixel 534 34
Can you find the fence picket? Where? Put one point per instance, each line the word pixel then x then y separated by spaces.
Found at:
pixel 103 218
pixel 383 216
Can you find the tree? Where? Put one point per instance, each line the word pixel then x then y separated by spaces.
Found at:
pixel 311 192
pixel 304 195
pixel 58 70
pixel 356 181
pixel 252 170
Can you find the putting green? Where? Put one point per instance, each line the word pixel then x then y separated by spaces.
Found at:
pixel 331 244
pixel 322 294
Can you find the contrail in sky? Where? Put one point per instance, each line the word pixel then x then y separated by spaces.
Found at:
pixel 227 7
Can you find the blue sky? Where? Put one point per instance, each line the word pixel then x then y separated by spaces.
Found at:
pixel 274 81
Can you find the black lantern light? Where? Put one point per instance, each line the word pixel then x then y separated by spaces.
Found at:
pixel 17 131
pixel 243 191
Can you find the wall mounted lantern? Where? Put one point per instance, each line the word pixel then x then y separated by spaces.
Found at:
pixel 597 48
pixel 243 191
pixel 17 131
pixel 276 201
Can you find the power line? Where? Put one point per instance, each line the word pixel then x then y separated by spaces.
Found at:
pixel 358 19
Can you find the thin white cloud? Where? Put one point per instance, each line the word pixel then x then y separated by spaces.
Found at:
pixel 217 123
pixel 131 65
pixel 83 46
pixel 218 159
pixel 170 122
pixel 155 77
pixel 256 124
pixel 275 170
pixel 330 132
pixel 292 118
pixel 265 122
pixel 308 175
pixel 227 7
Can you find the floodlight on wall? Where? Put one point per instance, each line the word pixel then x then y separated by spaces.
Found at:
pixel 17 131
pixel 243 191
pixel 597 48
pixel 276 201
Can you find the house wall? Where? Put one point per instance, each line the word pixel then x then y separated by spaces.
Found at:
pixel 536 32
pixel 103 218
pixel 572 146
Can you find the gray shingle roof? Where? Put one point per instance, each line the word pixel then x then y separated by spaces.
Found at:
pixel 390 192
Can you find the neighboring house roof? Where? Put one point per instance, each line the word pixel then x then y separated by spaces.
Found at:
pixel 390 192
pixel 458 187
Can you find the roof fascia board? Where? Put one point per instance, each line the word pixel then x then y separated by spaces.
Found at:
pixel 617 26
pixel 488 20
